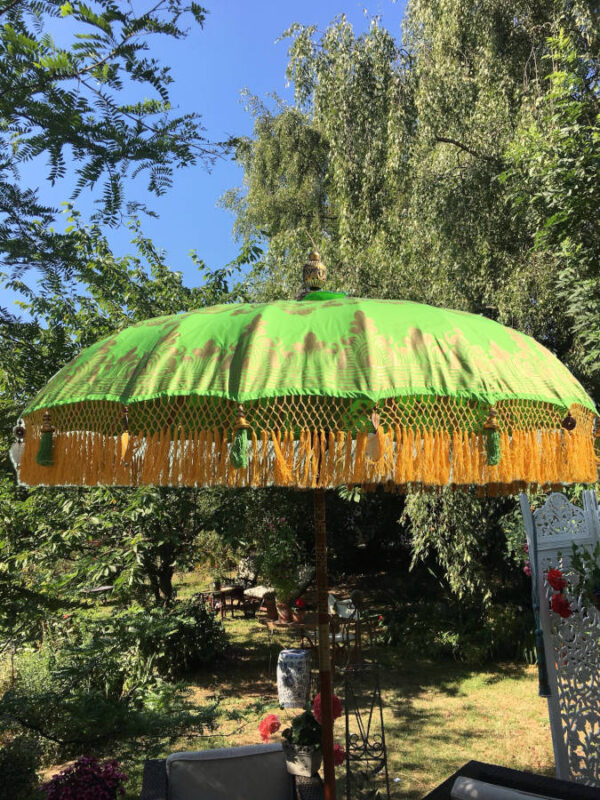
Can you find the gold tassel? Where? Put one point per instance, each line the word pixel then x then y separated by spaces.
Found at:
pixel 428 474
pixel 263 475
pixel 410 460
pixel 348 473
pixel 360 457
pixel 329 458
pixel 399 477
pixel 322 452
pixel 224 457
pixel 444 458
pixel 282 474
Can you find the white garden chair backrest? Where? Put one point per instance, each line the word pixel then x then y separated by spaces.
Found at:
pixel 571 644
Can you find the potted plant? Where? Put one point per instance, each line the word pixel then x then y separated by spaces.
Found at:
pixel 279 562
pixel 299 610
pixel 302 745
pixel 86 778
pixel 302 740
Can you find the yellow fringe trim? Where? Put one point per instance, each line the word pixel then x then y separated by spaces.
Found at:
pixel 307 459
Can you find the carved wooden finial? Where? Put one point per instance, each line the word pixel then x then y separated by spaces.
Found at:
pixel 491 423
pixel 19 431
pixel 375 418
pixel 314 273
pixel 241 422
pixel 47 426
pixel 569 422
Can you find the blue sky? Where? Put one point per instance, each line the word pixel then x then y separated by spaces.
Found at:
pixel 236 50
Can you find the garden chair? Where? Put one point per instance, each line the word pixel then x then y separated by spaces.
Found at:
pixel 348 624
pixel 478 781
pixel 235 773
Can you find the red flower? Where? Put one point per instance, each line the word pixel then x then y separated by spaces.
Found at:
pixel 339 754
pixel 556 580
pixel 561 605
pixel 300 603
pixel 380 618
pixel 336 704
pixel 268 726
pixel 527 569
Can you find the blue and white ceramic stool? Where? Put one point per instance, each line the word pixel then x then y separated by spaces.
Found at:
pixel 293 677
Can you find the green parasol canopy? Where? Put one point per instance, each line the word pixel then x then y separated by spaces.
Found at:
pixel 326 345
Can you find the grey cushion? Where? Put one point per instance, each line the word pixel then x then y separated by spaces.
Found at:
pixel 470 789
pixel 234 773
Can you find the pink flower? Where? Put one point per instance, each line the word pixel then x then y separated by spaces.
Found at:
pixel 556 580
pixel 527 569
pixel 561 605
pixel 268 726
pixel 339 754
pixel 335 703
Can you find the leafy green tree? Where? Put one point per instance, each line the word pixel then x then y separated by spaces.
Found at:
pixel 554 165
pixel 81 92
pixel 140 537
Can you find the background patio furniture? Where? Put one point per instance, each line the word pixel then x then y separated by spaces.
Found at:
pixel 220 600
pixel 350 627
pixel 515 779
pixel 254 597
pixel 347 627
pixel 236 773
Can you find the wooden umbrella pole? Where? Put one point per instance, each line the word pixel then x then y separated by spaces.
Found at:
pixel 324 658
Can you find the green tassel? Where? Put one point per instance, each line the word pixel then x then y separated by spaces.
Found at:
pixel 493 446
pixel 44 454
pixel 238 455
pixel 492 435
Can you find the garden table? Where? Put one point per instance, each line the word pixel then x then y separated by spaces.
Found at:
pixel 222 599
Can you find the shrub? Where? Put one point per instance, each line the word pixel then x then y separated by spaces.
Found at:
pixel 87 779
pixel 181 638
pixel 462 632
pixel 19 761
pixel 96 685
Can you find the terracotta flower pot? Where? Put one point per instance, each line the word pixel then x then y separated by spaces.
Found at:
pixel 270 607
pixel 285 612
pixel 303 761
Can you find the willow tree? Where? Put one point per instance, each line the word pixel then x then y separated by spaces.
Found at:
pixel 331 168
pixel 398 159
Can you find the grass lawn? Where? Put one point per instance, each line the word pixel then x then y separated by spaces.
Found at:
pixel 437 715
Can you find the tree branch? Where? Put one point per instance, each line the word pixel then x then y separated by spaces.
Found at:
pixel 9 6
pixel 467 149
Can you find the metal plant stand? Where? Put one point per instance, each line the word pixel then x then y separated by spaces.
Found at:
pixel 365 735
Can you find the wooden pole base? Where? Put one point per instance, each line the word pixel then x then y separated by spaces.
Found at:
pixel 324 657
